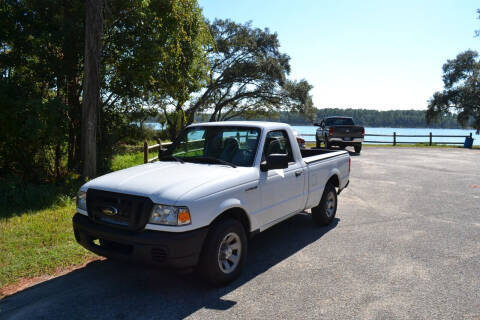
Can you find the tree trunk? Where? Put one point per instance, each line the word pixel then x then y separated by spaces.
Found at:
pixel 91 85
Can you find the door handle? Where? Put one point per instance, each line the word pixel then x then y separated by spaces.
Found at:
pixel 298 173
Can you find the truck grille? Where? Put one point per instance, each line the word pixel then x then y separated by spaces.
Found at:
pixel 119 210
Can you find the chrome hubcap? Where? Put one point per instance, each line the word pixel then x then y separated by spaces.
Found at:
pixel 229 252
pixel 330 204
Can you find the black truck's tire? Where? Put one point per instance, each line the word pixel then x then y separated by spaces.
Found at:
pixel 358 148
pixel 317 143
pixel 324 213
pixel 226 238
pixel 327 145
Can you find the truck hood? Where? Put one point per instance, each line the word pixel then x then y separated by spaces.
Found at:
pixel 166 182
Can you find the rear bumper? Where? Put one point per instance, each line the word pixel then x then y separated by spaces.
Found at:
pixel 346 185
pixel 169 249
pixel 343 141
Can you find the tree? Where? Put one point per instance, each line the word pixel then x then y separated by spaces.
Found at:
pixel 247 77
pixel 153 54
pixel 461 94
pixel 41 55
pixel 151 51
pixel 91 85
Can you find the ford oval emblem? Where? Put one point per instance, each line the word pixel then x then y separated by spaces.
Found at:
pixel 110 211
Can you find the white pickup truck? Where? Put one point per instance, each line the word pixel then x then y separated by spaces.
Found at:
pixel 217 185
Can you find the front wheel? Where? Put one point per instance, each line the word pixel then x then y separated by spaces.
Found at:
pixel 324 213
pixel 358 148
pixel 224 253
pixel 317 144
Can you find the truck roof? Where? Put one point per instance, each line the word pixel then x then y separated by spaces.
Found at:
pixel 258 124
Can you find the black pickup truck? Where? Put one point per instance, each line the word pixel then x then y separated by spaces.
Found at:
pixel 341 132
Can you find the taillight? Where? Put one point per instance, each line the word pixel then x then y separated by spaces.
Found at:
pixel 330 131
pixel 300 140
pixel 349 164
pixel 363 131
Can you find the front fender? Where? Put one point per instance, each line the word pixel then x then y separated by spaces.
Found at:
pixel 227 204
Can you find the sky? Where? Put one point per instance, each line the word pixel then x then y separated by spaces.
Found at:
pixel 373 54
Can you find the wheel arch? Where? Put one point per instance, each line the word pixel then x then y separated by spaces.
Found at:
pixel 235 212
pixel 334 179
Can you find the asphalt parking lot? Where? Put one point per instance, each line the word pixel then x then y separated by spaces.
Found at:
pixel 405 244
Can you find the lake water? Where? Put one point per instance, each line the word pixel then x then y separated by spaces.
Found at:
pixel 410 131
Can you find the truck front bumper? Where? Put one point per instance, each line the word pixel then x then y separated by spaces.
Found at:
pixel 168 249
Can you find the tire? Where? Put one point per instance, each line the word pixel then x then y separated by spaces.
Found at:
pixel 324 213
pixel 214 269
pixel 317 144
pixel 327 145
pixel 357 148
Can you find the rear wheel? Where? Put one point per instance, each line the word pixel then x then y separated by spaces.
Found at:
pixel 358 148
pixel 224 253
pixel 327 145
pixel 317 144
pixel 324 213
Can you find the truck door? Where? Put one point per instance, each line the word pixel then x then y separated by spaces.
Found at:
pixel 282 190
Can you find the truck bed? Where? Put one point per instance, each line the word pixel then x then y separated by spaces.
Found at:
pixel 312 155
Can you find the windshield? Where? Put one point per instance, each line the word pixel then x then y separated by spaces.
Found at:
pixel 339 122
pixel 235 145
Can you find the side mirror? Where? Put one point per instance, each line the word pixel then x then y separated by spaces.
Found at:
pixel 275 161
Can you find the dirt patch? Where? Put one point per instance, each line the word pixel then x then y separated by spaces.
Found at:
pixel 25 283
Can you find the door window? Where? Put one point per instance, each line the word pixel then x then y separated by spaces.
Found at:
pixel 277 142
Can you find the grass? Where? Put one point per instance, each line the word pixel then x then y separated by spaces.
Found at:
pixel 36 236
pixel 122 161
pixel 38 243
pixel 17 198
pixel 129 156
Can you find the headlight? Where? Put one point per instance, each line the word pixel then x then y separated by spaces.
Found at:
pixel 82 200
pixel 169 215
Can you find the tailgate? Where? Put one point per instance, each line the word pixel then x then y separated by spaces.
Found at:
pixel 347 131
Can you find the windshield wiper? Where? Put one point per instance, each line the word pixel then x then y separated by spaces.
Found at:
pixel 212 159
pixel 170 157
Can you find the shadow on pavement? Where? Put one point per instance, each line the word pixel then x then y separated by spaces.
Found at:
pixel 353 153
pixel 111 290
